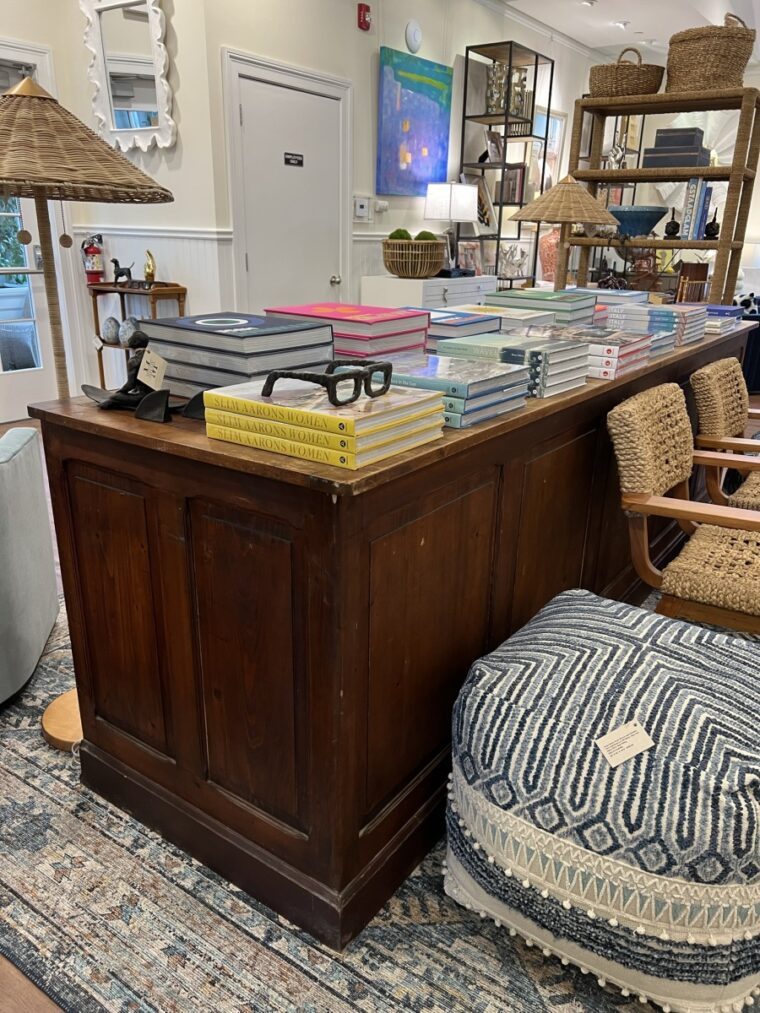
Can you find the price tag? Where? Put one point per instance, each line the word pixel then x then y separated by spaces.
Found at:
pixel 97 344
pixel 624 743
pixel 152 369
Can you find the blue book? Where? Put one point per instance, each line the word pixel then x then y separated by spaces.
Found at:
pixel 457 420
pixel 688 207
pixel 704 212
pixel 244 333
pixel 718 310
pixel 457 324
pixel 453 377
pixel 463 405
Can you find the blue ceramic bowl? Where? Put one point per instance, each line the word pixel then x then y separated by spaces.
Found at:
pixel 636 219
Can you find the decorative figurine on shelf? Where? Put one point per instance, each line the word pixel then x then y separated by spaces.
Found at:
pixel 712 229
pixel 120 272
pixel 128 327
pixel 496 86
pixel 133 395
pixel 149 271
pixel 109 332
pixel 673 227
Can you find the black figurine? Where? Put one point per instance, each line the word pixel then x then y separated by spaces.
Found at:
pixel 120 272
pixel 133 395
pixel 712 229
pixel 673 227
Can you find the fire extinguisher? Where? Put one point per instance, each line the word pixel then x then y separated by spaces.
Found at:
pixel 92 258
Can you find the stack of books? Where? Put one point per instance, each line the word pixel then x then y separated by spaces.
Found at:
pixel 473 390
pixel 363 331
pixel 509 316
pixel 612 353
pixel 687 320
pixel 554 365
pixel 299 421
pixel 663 342
pixel 456 324
pixel 215 350
pixel 722 319
pixel 615 296
pixel 568 307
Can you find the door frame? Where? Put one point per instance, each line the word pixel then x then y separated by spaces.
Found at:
pixel 237 65
pixel 42 57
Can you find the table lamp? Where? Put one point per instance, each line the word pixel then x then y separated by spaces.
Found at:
pixel 48 154
pixel 566 204
pixel 452 202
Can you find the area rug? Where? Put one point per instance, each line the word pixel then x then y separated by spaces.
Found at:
pixel 103 914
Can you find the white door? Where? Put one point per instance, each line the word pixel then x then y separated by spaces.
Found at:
pixel 291 154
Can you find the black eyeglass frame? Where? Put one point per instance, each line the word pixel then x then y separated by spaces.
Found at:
pixel 361 375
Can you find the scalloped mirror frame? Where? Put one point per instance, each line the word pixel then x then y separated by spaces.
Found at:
pixel 165 134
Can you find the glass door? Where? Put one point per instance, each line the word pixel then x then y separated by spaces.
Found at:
pixel 26 360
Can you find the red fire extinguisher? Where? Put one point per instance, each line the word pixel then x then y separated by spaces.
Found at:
pixel 92 258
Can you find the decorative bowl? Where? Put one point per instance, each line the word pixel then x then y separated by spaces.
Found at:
pixel 636 219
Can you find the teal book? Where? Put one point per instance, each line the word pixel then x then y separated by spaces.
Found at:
pixel 457 420
pixel 454 377
pixel 463 406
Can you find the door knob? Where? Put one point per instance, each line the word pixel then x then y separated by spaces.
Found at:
pixel 335 279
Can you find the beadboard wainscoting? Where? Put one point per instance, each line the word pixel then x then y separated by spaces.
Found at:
pixel 200 259
pixel 366 260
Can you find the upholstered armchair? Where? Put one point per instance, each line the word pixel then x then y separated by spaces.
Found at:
pixel 28 594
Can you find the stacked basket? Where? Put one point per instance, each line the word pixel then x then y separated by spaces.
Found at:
pixel 710 58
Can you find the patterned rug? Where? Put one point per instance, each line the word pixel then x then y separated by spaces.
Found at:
pixel 103 914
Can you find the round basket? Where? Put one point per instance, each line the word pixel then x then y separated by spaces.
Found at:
pixel 710 58
pixel 413 258
pixel 609 80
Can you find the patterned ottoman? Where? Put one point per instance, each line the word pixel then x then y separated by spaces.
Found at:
pixel 646 875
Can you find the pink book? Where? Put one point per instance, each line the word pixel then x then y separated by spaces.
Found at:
pixel 356 321
pixel 361 349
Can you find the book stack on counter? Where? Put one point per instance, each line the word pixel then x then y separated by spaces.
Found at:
pixel 554 365
pixel 568 307
pixel 722 319
pixel 299 421
pixel 663 342
pixel 686 320
pixel 615 296
pixel 473 390
pixel 215 350
pixel 365 332
pixel 612 353
pixel 456 324
pixel 509 316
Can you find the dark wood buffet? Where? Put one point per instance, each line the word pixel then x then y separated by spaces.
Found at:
pixel 267 651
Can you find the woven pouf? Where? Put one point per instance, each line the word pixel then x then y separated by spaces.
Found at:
pixel 646 875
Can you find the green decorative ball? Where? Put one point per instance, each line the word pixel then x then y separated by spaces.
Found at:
pixel 426 237
pixel 400 234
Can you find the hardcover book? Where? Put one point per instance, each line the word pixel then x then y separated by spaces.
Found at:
pixel 456 377
pixel 246 364
pixel 510 316
pixel 455 420
pixel 355 319
pixel 371 348
pixel 455 323
pixel 242 333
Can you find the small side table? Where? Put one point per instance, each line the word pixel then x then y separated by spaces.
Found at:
pixel 159 290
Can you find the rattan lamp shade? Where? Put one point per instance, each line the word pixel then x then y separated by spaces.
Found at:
pixel 48 154
pixel 566 203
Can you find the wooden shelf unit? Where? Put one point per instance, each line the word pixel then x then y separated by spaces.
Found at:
pixel 740 176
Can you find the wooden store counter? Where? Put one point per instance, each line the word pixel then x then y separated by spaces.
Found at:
pixel 267 652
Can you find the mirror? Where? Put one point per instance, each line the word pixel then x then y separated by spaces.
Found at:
pixel 129 67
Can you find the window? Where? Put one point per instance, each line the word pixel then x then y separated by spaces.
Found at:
pixel 19 345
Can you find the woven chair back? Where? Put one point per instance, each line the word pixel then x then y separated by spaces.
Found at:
pixel 653 441
pixel 722 398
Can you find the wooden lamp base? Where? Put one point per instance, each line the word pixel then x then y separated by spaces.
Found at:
pixel 61 723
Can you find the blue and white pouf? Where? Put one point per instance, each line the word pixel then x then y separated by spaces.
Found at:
pixel 646 875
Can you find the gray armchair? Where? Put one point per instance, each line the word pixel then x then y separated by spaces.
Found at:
pixel 28 593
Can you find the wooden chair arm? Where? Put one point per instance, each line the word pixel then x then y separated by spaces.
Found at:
pixel 703 513
pixel 736 443
pixel 714 459
pixel 753 413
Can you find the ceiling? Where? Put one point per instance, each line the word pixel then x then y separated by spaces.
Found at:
pixel 651 22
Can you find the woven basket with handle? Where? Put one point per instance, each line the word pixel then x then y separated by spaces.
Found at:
pixel 709 58
pixel 413 258
pixel 609 80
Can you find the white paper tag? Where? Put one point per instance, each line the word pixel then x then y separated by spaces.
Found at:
pixel 624 743
pixel 97 344
pixel 152 369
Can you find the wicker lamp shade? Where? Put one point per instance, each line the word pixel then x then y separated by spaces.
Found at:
pixel 566 203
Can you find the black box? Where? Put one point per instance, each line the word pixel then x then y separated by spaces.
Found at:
pixel 679 137
pixel 661 158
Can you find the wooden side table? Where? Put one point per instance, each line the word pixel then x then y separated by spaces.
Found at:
pixel 159 290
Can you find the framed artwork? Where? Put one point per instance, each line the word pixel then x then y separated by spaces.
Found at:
pixel 494 145
pixel 554 145
pixel 414 112
pixel 487 222
pixel 470 257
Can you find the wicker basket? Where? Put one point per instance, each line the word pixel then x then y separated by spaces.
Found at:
pixel 609 80
pixel 413 258
pixel 710 58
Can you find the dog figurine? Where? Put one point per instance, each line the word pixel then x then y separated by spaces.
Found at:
pixel 120 272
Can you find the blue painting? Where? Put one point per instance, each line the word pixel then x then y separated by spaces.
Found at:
pixel 413 123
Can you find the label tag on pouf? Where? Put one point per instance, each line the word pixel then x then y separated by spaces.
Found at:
pixel 152 369
pixel 624 743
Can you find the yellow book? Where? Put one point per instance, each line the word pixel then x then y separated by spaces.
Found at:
pixel 318 437
pixel 303 404
pixel 324 455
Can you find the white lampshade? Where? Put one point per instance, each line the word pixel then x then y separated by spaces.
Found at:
pixel 451 202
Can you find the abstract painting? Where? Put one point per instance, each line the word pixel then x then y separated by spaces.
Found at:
pixel 414 112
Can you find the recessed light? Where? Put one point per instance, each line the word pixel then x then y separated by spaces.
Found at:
pixel 588 3
pixel 621 24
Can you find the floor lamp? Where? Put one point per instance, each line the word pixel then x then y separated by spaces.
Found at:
pixel 566 204
pixel 46 153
